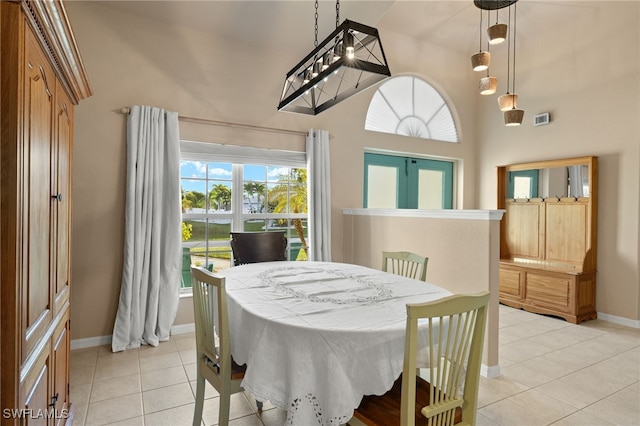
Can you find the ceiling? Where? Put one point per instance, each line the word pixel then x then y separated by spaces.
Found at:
pixel 452 24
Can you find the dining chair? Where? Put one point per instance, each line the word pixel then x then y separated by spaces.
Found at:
pixel 214 361
pixel 453 328
pixel 405 263
pixel 254 247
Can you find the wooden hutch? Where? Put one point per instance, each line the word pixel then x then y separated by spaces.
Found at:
pixel 548 237
pixel 42 79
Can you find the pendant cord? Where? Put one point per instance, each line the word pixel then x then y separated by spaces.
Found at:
pixel 316 16
pixel 515 26
pixel 488 44
pixel 508 51
pixel 480 26
pixel 337 13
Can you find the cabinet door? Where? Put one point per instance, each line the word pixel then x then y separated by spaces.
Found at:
pixel 61 190
pixel 60 366
pixel 35 391
pixel 35 187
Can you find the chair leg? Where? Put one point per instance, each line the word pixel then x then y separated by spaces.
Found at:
pixel 225 406
pixel 259 405
pixel 197 414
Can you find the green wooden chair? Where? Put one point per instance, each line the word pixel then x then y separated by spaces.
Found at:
pixel 213 350
pixel 406 264
pixel 454 329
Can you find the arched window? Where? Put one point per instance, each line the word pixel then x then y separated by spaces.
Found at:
pixel 406 105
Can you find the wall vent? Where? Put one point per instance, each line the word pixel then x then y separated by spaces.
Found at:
pixel 541 119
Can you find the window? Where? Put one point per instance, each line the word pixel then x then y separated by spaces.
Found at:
pixel 409 106
pixel 407 183
pixel 523 184
pixel 243 193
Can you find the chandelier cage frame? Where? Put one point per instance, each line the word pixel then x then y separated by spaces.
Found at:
pixel 342 77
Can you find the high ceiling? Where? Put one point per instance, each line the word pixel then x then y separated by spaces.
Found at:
pixel 290 24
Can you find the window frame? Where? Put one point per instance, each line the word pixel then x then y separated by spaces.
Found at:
pixel 237 156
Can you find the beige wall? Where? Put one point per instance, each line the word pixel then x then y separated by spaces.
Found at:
pixel 137 61
pixel 587 75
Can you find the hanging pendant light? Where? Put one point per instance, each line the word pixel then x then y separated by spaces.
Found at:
pixel 348 61
pixel 488 84
pixel 509 102
pixel 497 33
pixel 480 61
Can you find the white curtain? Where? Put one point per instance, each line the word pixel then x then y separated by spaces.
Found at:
pixel 149 292
pixel 576 179
pixel 319 181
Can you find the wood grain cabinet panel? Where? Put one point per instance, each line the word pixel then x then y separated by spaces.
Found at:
pixel 42 80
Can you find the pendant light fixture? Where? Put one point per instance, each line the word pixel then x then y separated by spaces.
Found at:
pixel 509 102
pixel 480 61
pixel 488 84
pixel 348 61
pixel 497 32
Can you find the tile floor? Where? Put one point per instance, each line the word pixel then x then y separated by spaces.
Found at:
pixel 553 373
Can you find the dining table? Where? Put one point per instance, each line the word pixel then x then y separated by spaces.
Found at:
pixel 318 336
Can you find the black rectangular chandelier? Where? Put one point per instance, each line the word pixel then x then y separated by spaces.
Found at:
pixel 349 60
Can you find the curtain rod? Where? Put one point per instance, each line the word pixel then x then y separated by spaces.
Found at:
pixel 126 110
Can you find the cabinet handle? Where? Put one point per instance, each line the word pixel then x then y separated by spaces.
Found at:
pixel 57 197
pixel 54 399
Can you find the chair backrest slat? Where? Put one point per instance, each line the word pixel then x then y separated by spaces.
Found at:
pixel 406 264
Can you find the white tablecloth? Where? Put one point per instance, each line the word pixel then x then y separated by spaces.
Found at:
pixel 318 336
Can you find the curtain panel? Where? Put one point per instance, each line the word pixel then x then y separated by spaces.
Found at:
pixel 149 292
pixel 319 194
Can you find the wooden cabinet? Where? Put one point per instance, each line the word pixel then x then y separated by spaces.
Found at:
pixel 548 241
pixel 42 79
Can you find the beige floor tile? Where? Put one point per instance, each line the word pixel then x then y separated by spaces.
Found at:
pixel 188 356
pixel 486 396
pixel 168 397
pixel 79 393
pixel 581 418
pixel 273 417
pixel 112 367
pixel 191 370
pixel 178 416
pixel 239 408
pixel 578 389
pixel 79 414
pixel 209 390
pixel 135 421
pixel 548 408
pixel 159 362
pixel 128 355
pixel 115 387
pixel 508 413
pixel 185 343
pixel 167 377
pixel 84 357
pixel 526 375
pixel 614 411
pixel 502 386
pixel 81 375
pixel 484 421
pixel 162 348
pixel 250 420
pixel 114 410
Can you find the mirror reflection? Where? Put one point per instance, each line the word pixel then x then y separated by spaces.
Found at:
pixel 571 181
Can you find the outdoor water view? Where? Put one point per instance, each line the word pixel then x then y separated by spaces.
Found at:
pixel 273 198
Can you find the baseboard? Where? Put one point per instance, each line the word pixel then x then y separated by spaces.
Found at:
pixel 490 371
pixel 106 340
pixel 183 328
pixel 90 342
pixel 619 320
